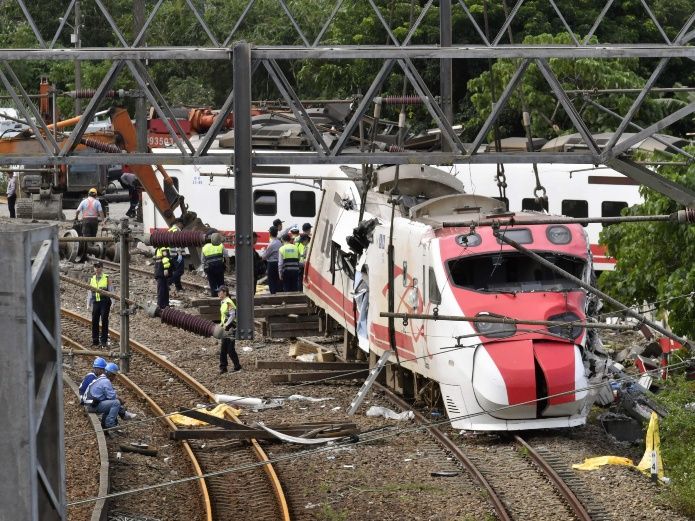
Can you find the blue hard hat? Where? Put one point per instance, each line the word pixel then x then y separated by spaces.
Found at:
pixel 111 368
pixel 99 363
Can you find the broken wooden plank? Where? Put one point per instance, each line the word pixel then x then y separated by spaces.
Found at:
pixel 281 298
pixel 312 377
pixel 300 349
pixel 325 356
pixel 212 420
pixel 311 366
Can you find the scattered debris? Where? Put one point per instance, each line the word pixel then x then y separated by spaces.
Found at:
pixel 621 427
pixel 444 473
pixel 376 411
pixel 139 450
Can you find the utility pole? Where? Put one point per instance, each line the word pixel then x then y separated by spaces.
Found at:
pixel 78 65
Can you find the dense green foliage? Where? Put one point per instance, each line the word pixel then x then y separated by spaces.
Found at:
pixel 207 83
pixel 677 432
pixel 654 260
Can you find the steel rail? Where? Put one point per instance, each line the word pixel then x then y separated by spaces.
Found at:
pixel 201 389
pixel 450 446
pixel 162 416
pixel 569 496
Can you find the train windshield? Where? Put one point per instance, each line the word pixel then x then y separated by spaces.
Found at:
pixel 514 272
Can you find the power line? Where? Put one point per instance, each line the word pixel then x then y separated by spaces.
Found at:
pixel 365 439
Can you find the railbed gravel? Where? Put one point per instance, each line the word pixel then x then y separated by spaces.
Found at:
pixel 386 479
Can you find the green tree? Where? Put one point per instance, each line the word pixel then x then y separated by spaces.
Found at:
pixel 655 262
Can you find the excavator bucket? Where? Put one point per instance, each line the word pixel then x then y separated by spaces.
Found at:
pixel 44 205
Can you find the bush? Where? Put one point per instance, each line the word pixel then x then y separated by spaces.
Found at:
pixel 677 433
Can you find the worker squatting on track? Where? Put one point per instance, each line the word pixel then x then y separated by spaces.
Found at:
pixel 213 262
pixel 91 213
pixel 100 397
pixel 228 323
pixel 100 305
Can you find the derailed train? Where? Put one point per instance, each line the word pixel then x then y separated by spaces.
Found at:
pixel 491 376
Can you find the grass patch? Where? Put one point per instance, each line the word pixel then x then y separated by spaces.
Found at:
pixel 677 432
pixel 328 513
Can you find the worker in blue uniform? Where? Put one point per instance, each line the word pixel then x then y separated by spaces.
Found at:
pixel 101 398
pixel 162 270
pixel 288 264
pixel 98 367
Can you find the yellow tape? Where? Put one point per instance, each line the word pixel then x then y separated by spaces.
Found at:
pixel 218 411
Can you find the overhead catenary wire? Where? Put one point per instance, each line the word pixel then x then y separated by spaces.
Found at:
pixel 448 351
pixel 366 439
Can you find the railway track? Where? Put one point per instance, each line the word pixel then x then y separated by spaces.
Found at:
pixel 543 488
pixel 253 493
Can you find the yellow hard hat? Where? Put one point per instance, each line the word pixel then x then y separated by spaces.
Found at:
pixel 92 191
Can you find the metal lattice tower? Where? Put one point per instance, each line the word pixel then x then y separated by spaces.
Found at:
pixel 31 422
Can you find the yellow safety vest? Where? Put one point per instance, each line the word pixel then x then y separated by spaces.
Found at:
pixel 102 283
pixel 159 257
pixel 301 249
pixel 224 309
pixel 212 254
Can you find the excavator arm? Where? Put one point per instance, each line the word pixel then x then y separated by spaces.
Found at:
pixel 166 200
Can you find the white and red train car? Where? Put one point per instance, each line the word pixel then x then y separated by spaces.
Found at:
pixel 573 190
pixel 491 376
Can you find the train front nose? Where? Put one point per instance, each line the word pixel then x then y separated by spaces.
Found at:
pixel 522 379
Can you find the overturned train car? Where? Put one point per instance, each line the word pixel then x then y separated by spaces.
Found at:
pixel 491 376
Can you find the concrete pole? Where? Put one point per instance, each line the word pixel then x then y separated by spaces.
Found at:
pixel 140 107
pixel 125 294
pixel 243 190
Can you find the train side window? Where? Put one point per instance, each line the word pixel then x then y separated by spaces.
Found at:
pixel 265 202
pixel 302 203
pixel 227 201
pixel 575 208
pixel 612 209
pixel 529 203
pixel 435 295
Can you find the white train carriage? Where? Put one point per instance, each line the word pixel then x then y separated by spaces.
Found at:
pixel 491 377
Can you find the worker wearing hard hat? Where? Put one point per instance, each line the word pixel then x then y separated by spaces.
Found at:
pixel 105 401
pixel 91 212
pixel 97 370
pixel 213 262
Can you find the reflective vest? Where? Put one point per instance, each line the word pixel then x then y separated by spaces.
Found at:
pixel 213 255
pixel 161 262
pixel 174 251
pixel 90 211
pixel 102 283
pixel 301 249
pixel 290 257
pixel 226 308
